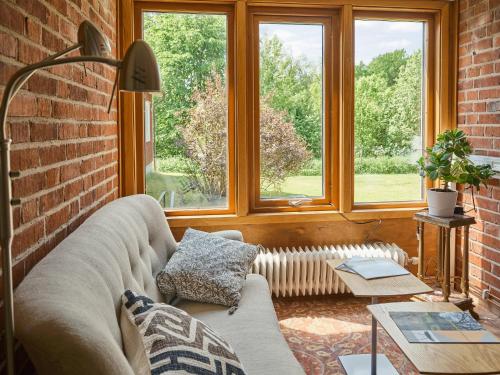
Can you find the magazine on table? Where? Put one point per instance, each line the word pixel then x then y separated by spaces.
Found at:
pixel 442 327
pixel 372 268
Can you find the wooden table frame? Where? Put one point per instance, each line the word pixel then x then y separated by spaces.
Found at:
pixel 389 286
pixel 443 358
pixel 445 224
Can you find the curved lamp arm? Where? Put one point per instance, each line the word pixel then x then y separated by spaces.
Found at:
pixel 50 58
pixel 22 75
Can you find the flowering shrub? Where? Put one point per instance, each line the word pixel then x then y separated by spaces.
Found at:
pixel 282 152
pixel 204 136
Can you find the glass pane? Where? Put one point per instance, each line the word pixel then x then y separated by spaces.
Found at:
pixel 188 166
pixel 388 133
pixel 291 110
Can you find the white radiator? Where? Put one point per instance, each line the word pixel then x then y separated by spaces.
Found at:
pixel 304 272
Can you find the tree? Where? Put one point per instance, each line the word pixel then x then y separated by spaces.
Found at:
pixel 388 65
pixel 293 86
pixel 388 104
pixel 204 138
pixel 370 116
pixel 406 104
pixel 189 48
pixel 282 152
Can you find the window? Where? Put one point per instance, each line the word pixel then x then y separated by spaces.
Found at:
pixel 293 108
pixel 389 109
pixel 192 165
pixel 292 116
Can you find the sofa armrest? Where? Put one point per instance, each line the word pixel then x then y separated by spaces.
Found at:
pixel 235 235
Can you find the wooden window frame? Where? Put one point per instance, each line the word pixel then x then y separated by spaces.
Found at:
pixel 429 84
pixel 444 15
pixel 193 8
pixel 329 18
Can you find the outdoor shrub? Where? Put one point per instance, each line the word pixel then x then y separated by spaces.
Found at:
pixel 205 140
pixel 313 167
pixel 282 151
pixel 384 165
pixel 176 164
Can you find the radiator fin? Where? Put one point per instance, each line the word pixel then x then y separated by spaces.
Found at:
pixel 304 271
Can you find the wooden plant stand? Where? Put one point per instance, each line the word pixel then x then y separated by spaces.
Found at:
pixel 445 224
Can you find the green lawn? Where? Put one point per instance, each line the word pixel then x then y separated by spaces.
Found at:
pixel 368 188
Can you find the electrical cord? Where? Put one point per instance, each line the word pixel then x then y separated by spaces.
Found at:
pixel 368 235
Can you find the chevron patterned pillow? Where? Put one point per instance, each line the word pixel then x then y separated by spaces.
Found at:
pixel 161 339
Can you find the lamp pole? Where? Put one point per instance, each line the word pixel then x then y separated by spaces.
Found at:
pixel 6 174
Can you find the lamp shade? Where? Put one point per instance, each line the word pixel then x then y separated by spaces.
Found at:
pixel 139 69
pixel 93 42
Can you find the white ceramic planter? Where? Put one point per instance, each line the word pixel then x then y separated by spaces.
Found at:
pixel 441 203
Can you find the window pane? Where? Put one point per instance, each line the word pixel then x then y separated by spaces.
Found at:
pixel 291 110
pixel 388 110
pixel 190 164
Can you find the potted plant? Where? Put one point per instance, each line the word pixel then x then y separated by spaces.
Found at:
pixel 447 161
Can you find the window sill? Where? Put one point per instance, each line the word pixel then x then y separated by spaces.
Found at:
pixel 290 217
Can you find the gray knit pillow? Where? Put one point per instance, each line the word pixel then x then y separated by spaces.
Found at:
pixel 207 268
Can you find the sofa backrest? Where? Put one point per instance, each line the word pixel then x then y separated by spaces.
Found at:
pixel 67 308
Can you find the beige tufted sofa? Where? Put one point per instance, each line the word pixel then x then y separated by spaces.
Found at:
pixel 67 309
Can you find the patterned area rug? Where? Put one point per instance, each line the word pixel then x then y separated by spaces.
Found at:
pixel 319 329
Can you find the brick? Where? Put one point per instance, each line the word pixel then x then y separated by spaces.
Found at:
pixel 73 189
pixel 70 171
pixel 51 200
pixel 8 45
pixel 42 131
pixel 27 237
pixel 25 159
pixel 12 18
pixel 23 105
pixel 29 210
pixel 28 185
pixel 59 218
pixel 52 154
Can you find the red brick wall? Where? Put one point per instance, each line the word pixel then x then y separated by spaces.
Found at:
pixel 479 117
pixel 64 142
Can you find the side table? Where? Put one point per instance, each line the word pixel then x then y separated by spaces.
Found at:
pixel 364 364
pixel 445 224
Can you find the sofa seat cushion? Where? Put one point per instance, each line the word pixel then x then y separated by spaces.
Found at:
pixel 253 330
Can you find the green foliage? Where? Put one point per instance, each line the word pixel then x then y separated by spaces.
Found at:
pixel 294 86
pixel 447 161
pixel 314 167
pixel 204 137
pixel 371 165
pixel 388 104
pixel 384 165
pixel 282 152
pixel 172 164
pixel 387 65
pixel 189 48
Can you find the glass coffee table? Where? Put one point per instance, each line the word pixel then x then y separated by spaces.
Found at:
pixel 364 364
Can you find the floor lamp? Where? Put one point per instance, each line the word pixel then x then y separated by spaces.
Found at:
pixel 137 72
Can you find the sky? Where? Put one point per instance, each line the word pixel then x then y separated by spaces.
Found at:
pixel 372 38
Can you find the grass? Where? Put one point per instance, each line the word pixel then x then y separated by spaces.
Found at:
pixel 368 188
pixel 157 183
